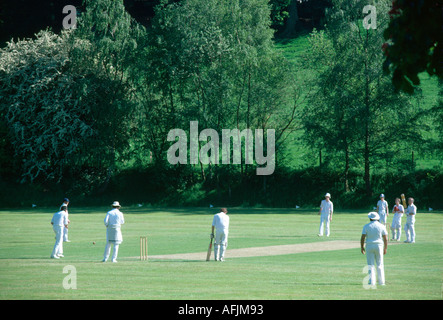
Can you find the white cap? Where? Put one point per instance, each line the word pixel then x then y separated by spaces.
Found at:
pixel 382 195
pixel 328 195
pixel 116 204
pixel 373 216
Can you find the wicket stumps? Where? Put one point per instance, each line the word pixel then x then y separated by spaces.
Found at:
pixel 143 248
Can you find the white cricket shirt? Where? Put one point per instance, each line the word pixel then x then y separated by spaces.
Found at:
pixel 382 206
pixel 411 211
pixel 114 218
pixel 60 218
pixel 374 232
pixel 326 207
pixel 221 221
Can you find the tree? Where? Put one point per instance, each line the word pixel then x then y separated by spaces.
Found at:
pixel 355 110
pixel 103 50
pixel 67 97
pixel 414 42
pixel 279 12
pixel 291 22
pixel 215 63
pixel 42 113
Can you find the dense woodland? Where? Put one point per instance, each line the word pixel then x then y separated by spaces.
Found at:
pixel 86 112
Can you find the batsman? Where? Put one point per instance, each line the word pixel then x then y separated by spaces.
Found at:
pixel 221 225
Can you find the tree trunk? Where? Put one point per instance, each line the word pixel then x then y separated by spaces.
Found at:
pixel 347 168
pixel 292 20
pixel 202 172
pixel 367 114
pixel 367 175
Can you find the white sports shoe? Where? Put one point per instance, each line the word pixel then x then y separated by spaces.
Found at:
pixel 55 257
pixel 60 256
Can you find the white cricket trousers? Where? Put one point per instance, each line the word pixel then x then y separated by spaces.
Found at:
pixel 58 246
pixel 108 250
pixel 383 218
pixel 410 232
pixel 221 243
pixel 396 233
pixel 65 234
pixel 374 257
pixel 324 224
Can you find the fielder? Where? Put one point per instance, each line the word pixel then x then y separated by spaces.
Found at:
pixel 113 221
pixel 221 224
pixel 383 209
pixel 59 222
pixel 411 211
pixel 376 238
pixel 398 211
pixel 65 231
pixel 326 211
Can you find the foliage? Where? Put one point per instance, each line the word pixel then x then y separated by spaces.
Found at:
pixel 279 11
pixel 413 42
pixel 39 102
pixel 67 97
pixel 103 50
pixel 88 110
pixel 355 113
pixel 215 64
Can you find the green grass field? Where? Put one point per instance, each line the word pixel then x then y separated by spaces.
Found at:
pixel 413 271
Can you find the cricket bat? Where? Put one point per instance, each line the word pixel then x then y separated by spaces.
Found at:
pixel 208 256
pixel 403 200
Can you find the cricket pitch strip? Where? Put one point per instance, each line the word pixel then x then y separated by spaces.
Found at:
pixel 268 250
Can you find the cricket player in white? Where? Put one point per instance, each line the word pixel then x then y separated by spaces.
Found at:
pixel 383 209
pixel 398 211
pixel 113 221
pixel 411 211
pixel 65 231
pixel 326 211
pixel 59 222
pixel 376 238
pixel 221 225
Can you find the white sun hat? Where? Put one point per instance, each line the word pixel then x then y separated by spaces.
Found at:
pixel 328 195
pixel 373 216
pixel 116 204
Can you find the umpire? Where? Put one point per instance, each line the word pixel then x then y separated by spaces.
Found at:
pixel 376 238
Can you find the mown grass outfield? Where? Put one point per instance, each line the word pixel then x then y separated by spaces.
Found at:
pixel 413 271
